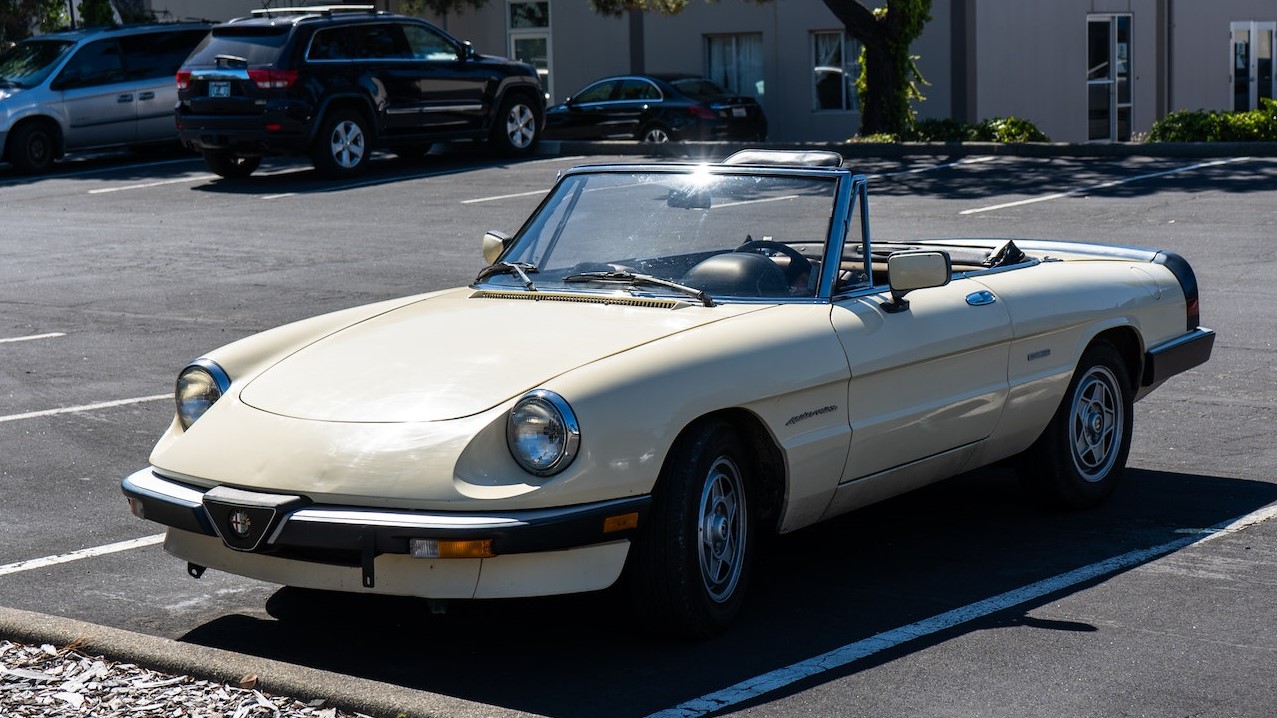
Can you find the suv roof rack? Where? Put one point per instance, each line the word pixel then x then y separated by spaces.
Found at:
pixel 314 10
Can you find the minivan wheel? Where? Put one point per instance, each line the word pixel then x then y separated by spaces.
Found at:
pixel 517 127
pixel 342 147
pixel 230 165
pixel 32 148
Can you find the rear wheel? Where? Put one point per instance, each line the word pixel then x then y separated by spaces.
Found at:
pixel 343 145
pixel 692 561
pixel 1079 459
pixel 230 165
pixel 518 126
pixel 655 133
pixel 33 147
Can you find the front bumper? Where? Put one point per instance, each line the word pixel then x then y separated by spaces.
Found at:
pixel 294 529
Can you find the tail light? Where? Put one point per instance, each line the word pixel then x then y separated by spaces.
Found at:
pixel 272 79
pixel 183 79
pixel 703 113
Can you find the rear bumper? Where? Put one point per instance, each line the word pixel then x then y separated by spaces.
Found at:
pixel 246 134
pixel 1177 355
pixel 294 530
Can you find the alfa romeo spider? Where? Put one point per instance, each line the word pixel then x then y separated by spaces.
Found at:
pixel 665 362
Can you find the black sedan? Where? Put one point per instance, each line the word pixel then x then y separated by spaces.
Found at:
pixel 656 108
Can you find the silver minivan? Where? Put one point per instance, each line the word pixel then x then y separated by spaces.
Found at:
pixel 91 88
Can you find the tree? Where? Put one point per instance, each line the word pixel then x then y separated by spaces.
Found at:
pixel 888 80
pixel 18 18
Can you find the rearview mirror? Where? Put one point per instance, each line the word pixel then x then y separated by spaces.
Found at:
pixel 494 243
pixel 908 271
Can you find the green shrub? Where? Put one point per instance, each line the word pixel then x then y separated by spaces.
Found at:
pixel 1258 125
pixel 998 129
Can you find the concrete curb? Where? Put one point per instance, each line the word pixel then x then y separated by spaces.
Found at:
pixel 718 150
pixel 347 693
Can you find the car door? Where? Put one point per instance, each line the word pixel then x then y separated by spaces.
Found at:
pixel 584 116
pixel 928 382
pixel 444 88
pixel 98 101
pixel 151 60
pixel 634 99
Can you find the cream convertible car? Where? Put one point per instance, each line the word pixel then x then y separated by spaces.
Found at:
pixel 664 361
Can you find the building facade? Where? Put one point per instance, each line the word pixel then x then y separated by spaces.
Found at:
pixel 1081 70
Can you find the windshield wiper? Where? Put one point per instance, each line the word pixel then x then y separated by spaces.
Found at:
pixel 522 269
pixel 632 278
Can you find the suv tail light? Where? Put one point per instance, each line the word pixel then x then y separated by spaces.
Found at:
pixel 183 79
pixel 703 113
pixel 273 79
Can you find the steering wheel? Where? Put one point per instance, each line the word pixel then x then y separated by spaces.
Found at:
pixel 798 264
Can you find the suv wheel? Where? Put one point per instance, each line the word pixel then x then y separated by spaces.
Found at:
pixel 342 146
pixel 229 164
pixel 517 128
pixel 32 147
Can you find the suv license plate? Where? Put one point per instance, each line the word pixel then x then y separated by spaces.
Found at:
pixel 738 112
pixel 219 89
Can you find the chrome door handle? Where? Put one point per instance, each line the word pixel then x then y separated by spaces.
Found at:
pixel 124 98
pixel 981 298
pixel 146 96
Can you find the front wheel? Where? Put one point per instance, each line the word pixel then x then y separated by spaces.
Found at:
pixel 230 165
pixel 1080 457
pixel 32 147
pixel 517 128
pixel 343 145
pixel 692 561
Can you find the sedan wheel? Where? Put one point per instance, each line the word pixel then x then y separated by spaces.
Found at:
pixel 656 134
pixel 691 563
pixel 1081 455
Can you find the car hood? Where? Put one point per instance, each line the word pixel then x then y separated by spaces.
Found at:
pixel 459 354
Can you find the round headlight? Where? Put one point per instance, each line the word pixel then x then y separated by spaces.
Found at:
pixel 198 387
pixel 542 433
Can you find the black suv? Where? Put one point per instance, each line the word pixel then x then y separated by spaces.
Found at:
pixel 337 82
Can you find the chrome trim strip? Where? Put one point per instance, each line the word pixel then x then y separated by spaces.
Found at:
pixel 146 480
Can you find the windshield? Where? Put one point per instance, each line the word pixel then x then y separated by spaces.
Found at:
pixel 732 236
pixel 28 63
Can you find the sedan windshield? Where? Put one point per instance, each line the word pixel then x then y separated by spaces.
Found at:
pixel 28 63
pixel 680 234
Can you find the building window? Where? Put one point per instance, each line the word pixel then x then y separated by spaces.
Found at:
pixel 1108 77
pixel 1252 60
pixel 528 31
pixel 736 62
pixel 835 65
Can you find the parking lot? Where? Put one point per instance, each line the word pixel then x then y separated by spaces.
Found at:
pixel 959 600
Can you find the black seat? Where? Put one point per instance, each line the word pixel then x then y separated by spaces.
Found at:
pixel 739 274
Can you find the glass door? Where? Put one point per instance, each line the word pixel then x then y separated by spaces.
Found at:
pixel 1251 54
pixel 529 37
pixel 1108 77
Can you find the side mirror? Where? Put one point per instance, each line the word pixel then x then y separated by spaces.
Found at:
pixel 921 269
pixel 467 50
pixel 494 243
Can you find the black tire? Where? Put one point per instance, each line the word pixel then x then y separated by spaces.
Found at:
pixel 517 127
pixel 655 134
pixel 691 563
pixel 1081 456
pixel 33 147
pixel 343 146
pixel 230 165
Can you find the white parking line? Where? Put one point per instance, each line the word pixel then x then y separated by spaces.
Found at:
pixel 504 196
pixel 1103 185
pixel 932 168
pixel 161 183
pixel 35 563
pixel 83 407
pixel 32 337
pixel 838 658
